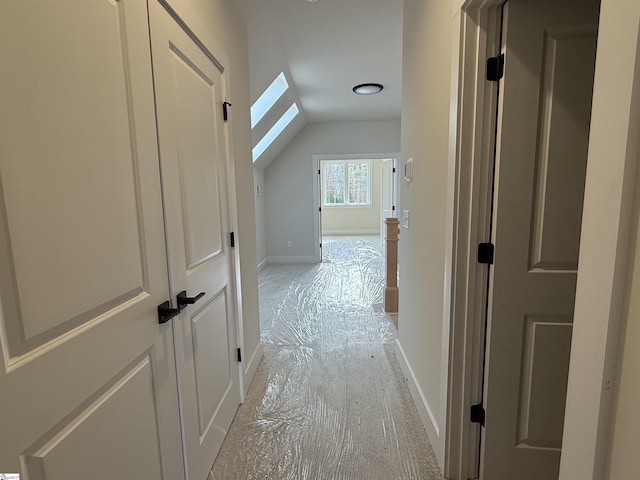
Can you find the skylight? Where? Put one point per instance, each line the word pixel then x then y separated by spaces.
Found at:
pixel 276 130
pixel 268 98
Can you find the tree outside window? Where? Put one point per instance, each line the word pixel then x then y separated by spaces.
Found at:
pixel 346 182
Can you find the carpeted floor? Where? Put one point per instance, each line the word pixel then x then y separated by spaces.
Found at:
pixel 328 400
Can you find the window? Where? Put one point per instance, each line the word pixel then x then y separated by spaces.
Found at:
pixel 261 107
pixel 346 182
pixel 268 98
pixel 276 130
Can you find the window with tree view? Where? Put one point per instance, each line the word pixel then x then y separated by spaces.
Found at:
pixel 346 182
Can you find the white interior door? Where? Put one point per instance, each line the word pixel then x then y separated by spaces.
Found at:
pixel 87 376
pixel 387 202
pixel 189 96
pixel 544 115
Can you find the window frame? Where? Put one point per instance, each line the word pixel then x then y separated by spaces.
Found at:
pixel 346 163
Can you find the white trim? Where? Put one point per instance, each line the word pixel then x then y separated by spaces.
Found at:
pixel 293 259
pixel 468 222
pixel 424 410
pixel 251 366
pixel 263 264
pixel 604 252
pixel 339 206
pixel 236 271
pixel 351 232
pixel 357 156
pixel 317 232
pixel 602 288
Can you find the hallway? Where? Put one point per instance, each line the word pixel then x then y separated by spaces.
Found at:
pixel 328 400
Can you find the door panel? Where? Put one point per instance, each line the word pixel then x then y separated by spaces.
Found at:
pixel 547 342
pixel 98 426
pixel 541 152
pixel 198 172
pixel 82 252
pixel 211 359
pixel 562 148
pixel 43 176
pixel 193 151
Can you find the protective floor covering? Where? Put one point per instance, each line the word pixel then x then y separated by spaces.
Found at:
pixel 329 400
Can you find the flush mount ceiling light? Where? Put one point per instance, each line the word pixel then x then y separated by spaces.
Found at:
pixel 368 88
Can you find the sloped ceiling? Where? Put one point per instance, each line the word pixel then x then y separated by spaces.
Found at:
pixel 324 48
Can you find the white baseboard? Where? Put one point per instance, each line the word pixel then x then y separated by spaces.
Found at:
pixel 263 264
pixel 293 259
pixel 426 415
pixel 251 365
pixel 351 232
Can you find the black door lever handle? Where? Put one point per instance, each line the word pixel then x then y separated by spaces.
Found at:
pixel 166 313
pixel 183 300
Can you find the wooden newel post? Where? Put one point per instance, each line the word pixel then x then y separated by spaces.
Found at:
pixel 391 287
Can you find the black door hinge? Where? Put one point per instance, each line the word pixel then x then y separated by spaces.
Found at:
pixel 318 171
pixel 232 239
pixel 495 68
pixel 225 110
pixel 394 169
pixel 239 355
pixel 393 209
pixel 477 414
pixel 319 209
pixel 485 253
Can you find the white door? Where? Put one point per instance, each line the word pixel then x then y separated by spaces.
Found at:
pixel 193 151
pixel 543 129
pixel 387 200
pixel 87 376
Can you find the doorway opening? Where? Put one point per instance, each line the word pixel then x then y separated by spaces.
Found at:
pixel 354 194
pixel 516 363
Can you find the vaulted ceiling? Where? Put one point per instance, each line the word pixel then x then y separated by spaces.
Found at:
pixel 325 48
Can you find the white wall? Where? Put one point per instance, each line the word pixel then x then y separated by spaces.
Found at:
pixel 356 220
pixel 219 23
pixel 261 217
pixel 290 177
pixel 427 53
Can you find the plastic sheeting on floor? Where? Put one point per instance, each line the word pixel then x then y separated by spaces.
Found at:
pixel 328 400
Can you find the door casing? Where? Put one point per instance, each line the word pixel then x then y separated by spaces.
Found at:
pixel 468 220
pixel 476 27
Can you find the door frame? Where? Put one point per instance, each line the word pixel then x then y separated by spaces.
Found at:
pixel 601 294
pixel 468 222
pixel 394 197
pixel 315 168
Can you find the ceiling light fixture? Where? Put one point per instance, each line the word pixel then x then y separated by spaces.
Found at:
pixel 368 88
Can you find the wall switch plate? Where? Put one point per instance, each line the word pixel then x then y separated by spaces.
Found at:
pixel 405 218
pixel 408 170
